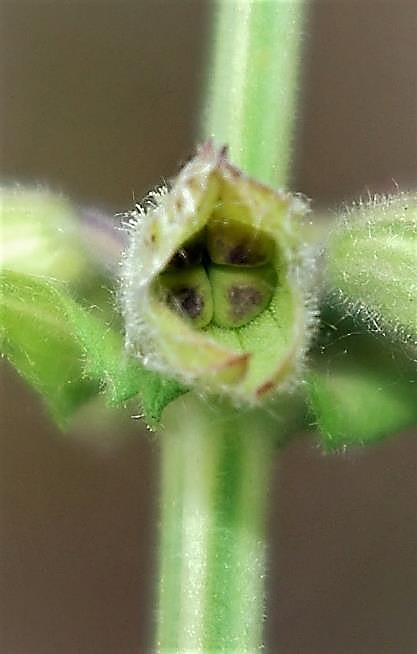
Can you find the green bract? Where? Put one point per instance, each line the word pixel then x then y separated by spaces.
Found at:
pixel 215 283
pixel 68 353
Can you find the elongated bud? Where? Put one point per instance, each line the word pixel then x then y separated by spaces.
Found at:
pixel 40 234
pixel 44 234
pixel 371 265
pixel 216 283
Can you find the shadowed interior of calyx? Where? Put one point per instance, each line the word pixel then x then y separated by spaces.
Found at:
pixel 229 282
pixel 224 275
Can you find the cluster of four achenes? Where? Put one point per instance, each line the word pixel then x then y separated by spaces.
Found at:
pixel 223 275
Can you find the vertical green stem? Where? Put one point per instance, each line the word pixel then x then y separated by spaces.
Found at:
pixel 215 460
pixel 250 101
pixel 215 468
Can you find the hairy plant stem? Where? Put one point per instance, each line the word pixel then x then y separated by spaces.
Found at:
pixel 215 469
pixel 251 96
pixel 215 460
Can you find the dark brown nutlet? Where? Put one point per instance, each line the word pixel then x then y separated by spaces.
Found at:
pixel 240 295
pixel 233 243
pixel 188 293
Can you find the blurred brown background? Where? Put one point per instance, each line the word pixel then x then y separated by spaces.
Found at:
pixel 99 100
